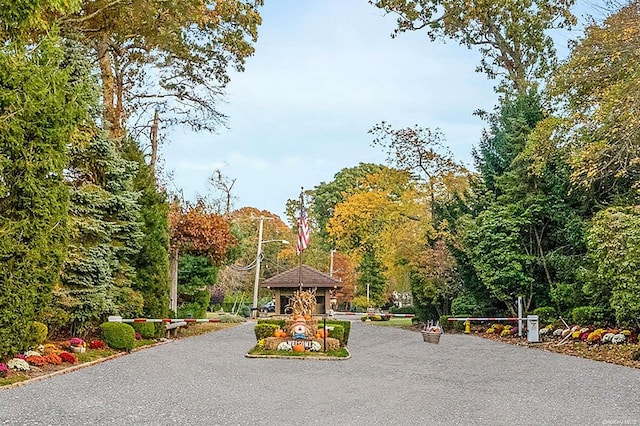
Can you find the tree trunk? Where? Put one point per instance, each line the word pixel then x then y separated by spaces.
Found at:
pixel 108 82
pixel 111 116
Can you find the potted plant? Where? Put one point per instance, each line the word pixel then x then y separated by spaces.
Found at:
pixel 431 333
pixel 77 345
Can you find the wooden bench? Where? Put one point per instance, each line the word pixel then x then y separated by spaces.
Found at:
pixel 173 327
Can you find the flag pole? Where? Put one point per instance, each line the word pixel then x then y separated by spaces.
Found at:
pixel 301 251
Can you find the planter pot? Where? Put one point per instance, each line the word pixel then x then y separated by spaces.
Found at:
pixel 78 349
pixel 431 337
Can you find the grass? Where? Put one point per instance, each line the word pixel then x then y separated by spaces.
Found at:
pixel 94 354
pixel 202 328
pixel 14 378
pixel 338 353
pixel 393 322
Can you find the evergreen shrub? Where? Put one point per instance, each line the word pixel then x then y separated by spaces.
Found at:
pixel 336 333
pixel 118 335
pixel 262 331
pixel 146 329
pixel 37 334
pixel 279 322
pixel 546 314
pixel 588 315
pixel 192 310
pixel 346 326
pixel 403 310
pixel 446 324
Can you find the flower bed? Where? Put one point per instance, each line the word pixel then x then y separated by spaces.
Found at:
pixel 600 344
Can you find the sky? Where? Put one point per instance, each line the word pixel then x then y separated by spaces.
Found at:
pixel 323 74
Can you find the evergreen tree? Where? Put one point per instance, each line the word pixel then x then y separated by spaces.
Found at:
pixel 528 240
pixel 152 261
pixel 45 94
pixel 105 235
pixel 371 276
pixel 195 275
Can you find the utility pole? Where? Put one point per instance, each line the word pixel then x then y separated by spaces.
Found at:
pixel 254 308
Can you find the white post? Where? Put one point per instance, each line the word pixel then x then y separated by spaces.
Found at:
pixel 254 310
pixel 331 264
pixel 368 305
pixel 533 333
pixel 519 316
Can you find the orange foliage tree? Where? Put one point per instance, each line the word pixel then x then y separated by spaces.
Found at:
pixel 196 231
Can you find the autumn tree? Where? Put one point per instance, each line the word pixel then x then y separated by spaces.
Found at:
pixel 276 257
pixel 598 88
pixel 194 230
pixel 364 223
pixel 344 271
pixel 171 56
pixel 327 195
pixel 422 152
pixel 512 36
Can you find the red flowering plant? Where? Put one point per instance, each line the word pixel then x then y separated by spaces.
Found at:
pixel 67 357
pixel 96 344
pixel 138 336
pixel 3 369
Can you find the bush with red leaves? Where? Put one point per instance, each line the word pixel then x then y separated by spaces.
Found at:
pixel 96 344
pixel 67 357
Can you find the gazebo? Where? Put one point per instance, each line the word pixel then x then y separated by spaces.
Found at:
pixel 302 278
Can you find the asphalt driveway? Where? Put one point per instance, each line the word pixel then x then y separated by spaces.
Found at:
pixel 393 377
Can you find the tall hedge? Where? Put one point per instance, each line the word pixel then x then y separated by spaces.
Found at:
pixel 45 94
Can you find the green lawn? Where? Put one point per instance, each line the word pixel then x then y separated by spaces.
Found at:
pixel 393 322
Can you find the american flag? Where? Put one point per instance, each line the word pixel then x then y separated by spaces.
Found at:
pixel 303 231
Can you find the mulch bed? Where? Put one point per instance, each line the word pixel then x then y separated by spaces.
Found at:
pixel 611 353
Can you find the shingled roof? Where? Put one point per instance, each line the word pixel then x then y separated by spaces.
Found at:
pixel 309 276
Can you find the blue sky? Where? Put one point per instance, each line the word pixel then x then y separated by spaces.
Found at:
pixel 324 73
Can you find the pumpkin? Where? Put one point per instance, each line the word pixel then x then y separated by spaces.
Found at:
pixel 298 348
pixel 320 333
pixel 307 317
pixel 279 333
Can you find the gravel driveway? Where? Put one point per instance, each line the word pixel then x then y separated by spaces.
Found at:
pixel 393 377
